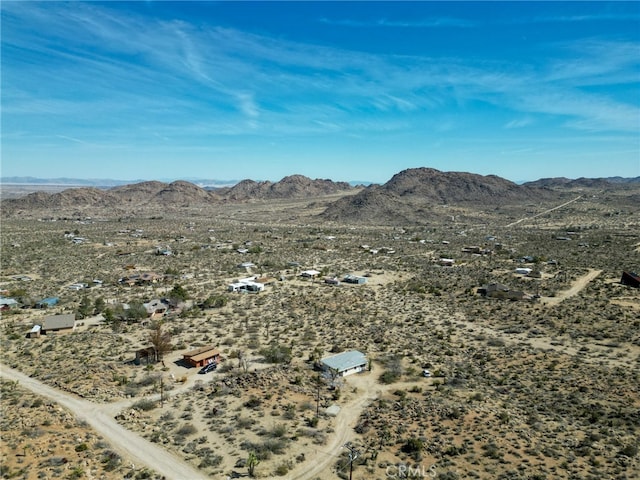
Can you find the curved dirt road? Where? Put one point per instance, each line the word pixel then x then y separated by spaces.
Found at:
pixel 126 443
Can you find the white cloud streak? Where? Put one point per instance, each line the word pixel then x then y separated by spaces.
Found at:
pixel 107 68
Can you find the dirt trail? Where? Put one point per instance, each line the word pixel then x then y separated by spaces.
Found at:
pixel 367 390
pixel 576 288
pixel 543 213
pixel 128 444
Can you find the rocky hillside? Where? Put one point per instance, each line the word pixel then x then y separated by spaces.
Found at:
pixel 68 198
pixel 582 182
pixel 154 195
pixel 293 186
pixel 410 195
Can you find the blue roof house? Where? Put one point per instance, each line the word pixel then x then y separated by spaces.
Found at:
pixel 47 302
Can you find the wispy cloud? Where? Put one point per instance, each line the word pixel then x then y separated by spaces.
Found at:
pixel 627 17
pixel 519 123
pixel 109 69
pixel 383 22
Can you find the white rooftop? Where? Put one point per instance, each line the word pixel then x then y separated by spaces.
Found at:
pixel 345 360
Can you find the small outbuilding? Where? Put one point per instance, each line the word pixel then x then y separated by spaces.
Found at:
pixel 47 302
pixel 34 332
pixel 309 273
pixel 497 290
pixel 156 308
pixel 523 271
pixel 355 279
pixel 59 324
pixel 202 356
pixel 8 303
pixel 630 279
pixel 146 355
pixel 345 363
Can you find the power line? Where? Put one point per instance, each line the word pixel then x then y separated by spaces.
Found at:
pixel 353 454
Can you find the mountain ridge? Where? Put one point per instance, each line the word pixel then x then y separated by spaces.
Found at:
pixel 410 196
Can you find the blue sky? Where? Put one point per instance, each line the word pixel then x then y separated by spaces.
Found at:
pixel 340 90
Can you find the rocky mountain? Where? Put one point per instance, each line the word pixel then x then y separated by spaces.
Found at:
pixel 71 197
pixel 155 195
pixel 293 186
pixel 138 193
pixel 410 195
pixel 606 182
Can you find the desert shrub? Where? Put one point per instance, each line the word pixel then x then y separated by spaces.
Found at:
pixel 77 472
pixel 253 402
pixel 278 431
pixel 186 429
pixel 81 447
pixel 412 445
pixel 283 469
pixel 289 412
pixel 244 422
pixel 264 450
pixel 215 301
pixel 145 405
pixel 210 460
pixel 111 460
pixel 630 450
pixel 389 377
pixel 277 354
pixel 144 474
pixel 147 380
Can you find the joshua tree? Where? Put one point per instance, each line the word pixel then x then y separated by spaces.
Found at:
pixel 160 340
pixel 252 462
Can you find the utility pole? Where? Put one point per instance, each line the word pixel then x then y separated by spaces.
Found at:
pixel 161 392
pixel 318 385
pixel 353 454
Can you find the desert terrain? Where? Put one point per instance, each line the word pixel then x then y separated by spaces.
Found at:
pixel 543 386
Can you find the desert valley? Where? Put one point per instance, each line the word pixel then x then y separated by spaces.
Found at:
pixel 489 329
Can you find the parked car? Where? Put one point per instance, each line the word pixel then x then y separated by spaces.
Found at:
pixel 426 373
pixel 208 368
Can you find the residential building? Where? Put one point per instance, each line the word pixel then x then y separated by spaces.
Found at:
pixel 202 356
pixel 59 324
pixel 345 363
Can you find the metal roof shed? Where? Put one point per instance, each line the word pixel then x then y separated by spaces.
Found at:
pixel 346 363
pixel 47 302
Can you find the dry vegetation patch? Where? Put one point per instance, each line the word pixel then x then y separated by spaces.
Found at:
pixel 519 389
pixel 42 440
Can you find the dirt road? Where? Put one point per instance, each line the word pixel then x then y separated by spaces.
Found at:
pixel 128 444
pixel 576 288
pixel 543 213
pixel 367 389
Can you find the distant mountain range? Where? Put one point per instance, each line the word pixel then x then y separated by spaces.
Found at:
pixel 109 182
pixel 155 194
pixel 408 197
pixel 581 182
pixel 103 182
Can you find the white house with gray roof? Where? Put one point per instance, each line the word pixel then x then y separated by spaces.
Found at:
pixel 346 363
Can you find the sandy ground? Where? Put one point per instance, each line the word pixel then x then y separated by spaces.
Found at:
pixel 128 444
